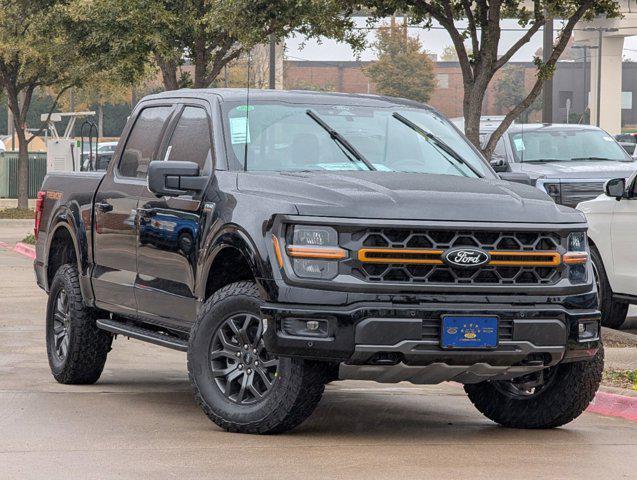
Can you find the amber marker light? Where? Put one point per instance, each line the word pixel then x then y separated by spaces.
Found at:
pixel 318 252
pixel 277 251
pixel 575 258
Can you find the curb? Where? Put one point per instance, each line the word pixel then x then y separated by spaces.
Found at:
pixel 24 249
pixel 613 405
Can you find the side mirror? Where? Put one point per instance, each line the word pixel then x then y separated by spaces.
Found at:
pixel 615 188
pixel 171 178
pixel 517 177
pixel 499 165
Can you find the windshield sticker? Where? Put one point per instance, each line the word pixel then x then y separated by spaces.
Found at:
pixel 239 130
pixel 245 108
pixel 519 144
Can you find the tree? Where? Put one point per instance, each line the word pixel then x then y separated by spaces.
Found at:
pixel 449 54
pixel 484 32
pixel 510 90
pixel 34 54
pixel 209 34
pixel 402 69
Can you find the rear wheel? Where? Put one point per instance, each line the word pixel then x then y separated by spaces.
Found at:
pixel 563 394
pixel 613 312
pixel 76 348
pixel 237 383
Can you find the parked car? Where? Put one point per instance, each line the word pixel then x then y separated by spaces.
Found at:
pixel 612 220
pixel 628 141
pixel 569 162
pixel 337 237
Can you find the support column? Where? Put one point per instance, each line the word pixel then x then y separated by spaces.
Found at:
pixel 611 85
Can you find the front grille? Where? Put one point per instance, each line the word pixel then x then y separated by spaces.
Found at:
pixel 415 256
pixel 576 192
pixel 431 329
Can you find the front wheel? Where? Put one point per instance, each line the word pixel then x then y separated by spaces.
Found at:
pixel 562 396
pixel 237 383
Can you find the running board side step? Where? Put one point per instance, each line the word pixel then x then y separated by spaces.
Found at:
pixel 143 334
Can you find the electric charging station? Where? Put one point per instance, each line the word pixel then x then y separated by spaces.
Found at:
pixel 64 154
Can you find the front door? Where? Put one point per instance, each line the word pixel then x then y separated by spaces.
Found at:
pixel 170 229
pixel 115 241
pixel 624 241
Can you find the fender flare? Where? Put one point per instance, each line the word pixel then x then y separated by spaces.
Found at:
pixel 65 218
pixel 232 236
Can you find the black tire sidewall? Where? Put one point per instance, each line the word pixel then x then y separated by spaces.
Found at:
pixel 613 312
pixel 201 374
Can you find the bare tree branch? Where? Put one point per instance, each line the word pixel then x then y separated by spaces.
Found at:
pixel 520 43
pixel 537 87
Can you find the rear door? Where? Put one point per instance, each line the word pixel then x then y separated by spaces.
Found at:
pixel 623 238
pixel 115 239
pixel 170 227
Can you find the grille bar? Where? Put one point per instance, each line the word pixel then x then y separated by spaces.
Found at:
pixel 424 256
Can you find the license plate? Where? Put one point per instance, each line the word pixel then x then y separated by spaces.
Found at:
pixel 465 331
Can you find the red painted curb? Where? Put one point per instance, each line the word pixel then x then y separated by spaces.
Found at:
pixel 613 405
pixel 4 245
pixel 24 249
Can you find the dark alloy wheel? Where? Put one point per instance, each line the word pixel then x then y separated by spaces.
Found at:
pixel 240 364
pixel 238 384
pixel 61 325
pixel 76 348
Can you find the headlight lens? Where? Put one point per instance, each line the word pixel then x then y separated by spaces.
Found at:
pixel 554 190
pixel 314 252
pixel 577 257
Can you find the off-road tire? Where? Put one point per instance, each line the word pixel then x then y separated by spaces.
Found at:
pixel 294 395
pixel 88 346
pixel 563 400
pixel 613 312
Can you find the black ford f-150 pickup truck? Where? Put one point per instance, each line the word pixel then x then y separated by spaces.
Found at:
pixel 289 239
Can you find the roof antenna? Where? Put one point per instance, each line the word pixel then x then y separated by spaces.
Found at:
pixel 247 131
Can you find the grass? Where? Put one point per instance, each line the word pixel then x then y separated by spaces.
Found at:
pixel 620 378
pixel 17 213
pixel 29 239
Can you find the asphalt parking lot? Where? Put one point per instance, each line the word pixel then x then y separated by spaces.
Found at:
pixel 140 421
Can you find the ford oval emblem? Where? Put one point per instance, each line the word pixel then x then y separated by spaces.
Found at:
pixel 466 257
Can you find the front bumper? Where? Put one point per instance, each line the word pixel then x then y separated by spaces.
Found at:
pixel 392 342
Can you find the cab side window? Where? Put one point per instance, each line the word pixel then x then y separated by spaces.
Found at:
pixel 143 141
pixel 190 142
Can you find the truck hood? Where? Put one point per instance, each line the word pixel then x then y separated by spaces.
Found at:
pixel 603 170
pixel 407 196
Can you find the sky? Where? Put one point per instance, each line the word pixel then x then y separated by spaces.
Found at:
pixel 434 41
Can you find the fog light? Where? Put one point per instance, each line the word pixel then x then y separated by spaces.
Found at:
pixel 588 330
pixel 300 327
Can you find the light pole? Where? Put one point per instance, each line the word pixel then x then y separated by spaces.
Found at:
pixel 586 48
pixel 600 31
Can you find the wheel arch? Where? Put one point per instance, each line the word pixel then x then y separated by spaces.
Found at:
pixel 231 257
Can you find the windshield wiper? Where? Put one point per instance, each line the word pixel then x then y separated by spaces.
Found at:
pixel 437 142
pixel 545 160
pixel 598 158
pixel 340 140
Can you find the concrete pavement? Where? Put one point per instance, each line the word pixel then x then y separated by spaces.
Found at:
pixel 140 421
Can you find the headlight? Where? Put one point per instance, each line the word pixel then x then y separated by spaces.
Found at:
pixel 577 257
pixel 554 190
pixel 314 251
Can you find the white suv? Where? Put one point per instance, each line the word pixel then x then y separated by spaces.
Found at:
pixel 612 220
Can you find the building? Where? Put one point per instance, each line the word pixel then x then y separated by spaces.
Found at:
pixel 569 83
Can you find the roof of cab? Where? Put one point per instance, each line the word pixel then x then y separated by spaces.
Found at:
pixel 292 96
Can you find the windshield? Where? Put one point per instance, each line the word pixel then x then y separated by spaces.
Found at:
pixel 285 137
pixel 565 145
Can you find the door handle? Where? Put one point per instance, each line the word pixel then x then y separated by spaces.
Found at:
pixel 104 207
